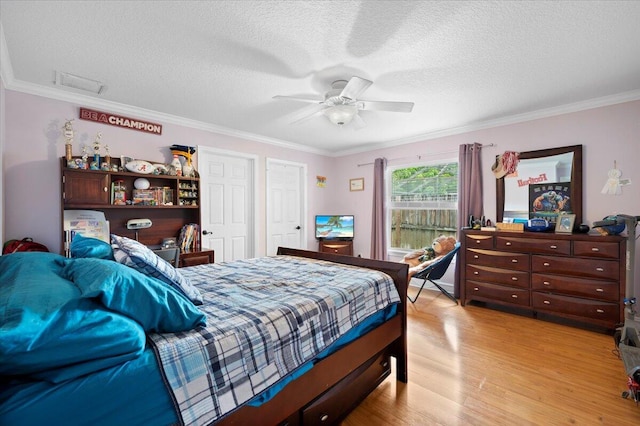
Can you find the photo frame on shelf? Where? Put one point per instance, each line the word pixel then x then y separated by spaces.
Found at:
pixel 564 223
pixel 356 184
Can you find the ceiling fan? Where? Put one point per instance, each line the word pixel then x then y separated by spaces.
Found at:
pixel 341 103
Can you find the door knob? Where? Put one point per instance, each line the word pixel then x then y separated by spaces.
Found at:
pixel 205 232
pixel 298 227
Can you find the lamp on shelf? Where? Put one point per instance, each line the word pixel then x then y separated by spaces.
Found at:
pixel 137 224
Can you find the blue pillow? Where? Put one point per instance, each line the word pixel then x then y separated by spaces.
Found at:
pixel 138 256
pixel 48 331
pixel 156 306
pixel 90 247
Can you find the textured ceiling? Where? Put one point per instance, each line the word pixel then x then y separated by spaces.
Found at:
pixel 465 64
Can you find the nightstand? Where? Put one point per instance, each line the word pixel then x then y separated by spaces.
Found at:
pixel 336 246
pixel 193 258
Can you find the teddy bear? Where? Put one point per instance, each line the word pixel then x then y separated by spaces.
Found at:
pixel 420 259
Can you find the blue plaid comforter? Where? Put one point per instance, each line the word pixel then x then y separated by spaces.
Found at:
pixel 265 318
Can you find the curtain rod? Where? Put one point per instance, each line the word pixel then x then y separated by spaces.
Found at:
pixel 427 155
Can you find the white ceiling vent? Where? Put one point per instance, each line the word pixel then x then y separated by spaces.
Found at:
pixel 80 83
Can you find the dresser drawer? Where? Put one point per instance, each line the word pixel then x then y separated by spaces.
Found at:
pixel 594 289
pixel 588 309
pixel 498 275
pixel 499 259
pixel 337 247
pixel 532 245
pixel 596 249
pixel 479 241
pixel 592 268
pixel 194 258
pixel 492 292
pixel 332 406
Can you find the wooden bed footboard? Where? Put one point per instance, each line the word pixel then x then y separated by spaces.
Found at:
pixel 357 368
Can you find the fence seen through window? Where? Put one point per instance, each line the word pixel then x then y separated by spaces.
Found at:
pixel 423 204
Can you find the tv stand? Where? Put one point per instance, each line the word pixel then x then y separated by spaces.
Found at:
pixel 344 247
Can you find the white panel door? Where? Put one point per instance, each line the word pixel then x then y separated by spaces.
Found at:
pixel 286 205
pixel 227 196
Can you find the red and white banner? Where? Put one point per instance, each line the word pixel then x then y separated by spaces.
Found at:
pixel 119 121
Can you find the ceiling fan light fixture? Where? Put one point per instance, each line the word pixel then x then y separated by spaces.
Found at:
pixel 341 114
pixel 80 83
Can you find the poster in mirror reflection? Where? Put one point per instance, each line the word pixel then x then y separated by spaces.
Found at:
pixel 539 189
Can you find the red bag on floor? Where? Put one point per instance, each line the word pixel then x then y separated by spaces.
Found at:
pixel 25 244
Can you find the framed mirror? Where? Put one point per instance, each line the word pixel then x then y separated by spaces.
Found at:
pixel 547 182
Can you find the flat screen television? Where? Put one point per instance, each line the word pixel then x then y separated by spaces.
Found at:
pixel 334 227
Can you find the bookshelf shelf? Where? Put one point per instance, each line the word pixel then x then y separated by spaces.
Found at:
pixel 94 190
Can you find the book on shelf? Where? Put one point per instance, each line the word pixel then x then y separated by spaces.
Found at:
pixel 189 239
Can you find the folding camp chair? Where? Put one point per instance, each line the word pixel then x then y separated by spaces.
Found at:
pixel 435 271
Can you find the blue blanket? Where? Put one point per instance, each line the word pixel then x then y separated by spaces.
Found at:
pixel 266 319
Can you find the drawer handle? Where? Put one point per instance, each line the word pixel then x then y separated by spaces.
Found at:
pixel 514 278
pixel 105 189
pixel 600 311
pixel 385 364
pixel 546 302
pixel 515 296
pixel 600 290
pixel 553 246
pixel 546 283
pixel 600 269
pixel 324 417
pixel 596 249
pixel 476 289
pixel 478 241
pixel 508 243
pixel 546 264
pixel 514 260
pixel 476 273
pixel 475 256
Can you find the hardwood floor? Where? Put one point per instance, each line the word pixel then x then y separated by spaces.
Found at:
pixel 477 366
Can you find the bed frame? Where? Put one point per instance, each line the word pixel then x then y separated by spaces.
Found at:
pixel 338 383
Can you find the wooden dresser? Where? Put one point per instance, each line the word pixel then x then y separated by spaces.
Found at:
pixel 574 276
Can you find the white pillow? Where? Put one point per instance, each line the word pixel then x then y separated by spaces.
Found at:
pixel 139 257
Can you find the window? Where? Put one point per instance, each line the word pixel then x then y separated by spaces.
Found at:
pixel 423 203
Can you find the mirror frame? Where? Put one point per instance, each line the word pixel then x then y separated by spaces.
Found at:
pixel 576 179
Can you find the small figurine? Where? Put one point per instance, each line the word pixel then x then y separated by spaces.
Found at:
pixel 68 144
pixel 106 165
pixel 96 148
pixel 85 157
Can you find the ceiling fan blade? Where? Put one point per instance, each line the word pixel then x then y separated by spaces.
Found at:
pixel 306 113
pixel 386 106
pixel 355 87
pixel 301 98
pixel 358 122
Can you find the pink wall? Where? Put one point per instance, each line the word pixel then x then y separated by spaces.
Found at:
pixel 607 134
pixel 34 145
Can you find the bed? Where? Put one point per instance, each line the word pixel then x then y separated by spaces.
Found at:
pixel 168 367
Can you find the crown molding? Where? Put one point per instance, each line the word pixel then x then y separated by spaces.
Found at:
pixel 68 95
pixel 619 98
pixel 116 107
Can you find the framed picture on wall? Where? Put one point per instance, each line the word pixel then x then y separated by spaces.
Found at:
pixel 356 184
pixel 564 223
